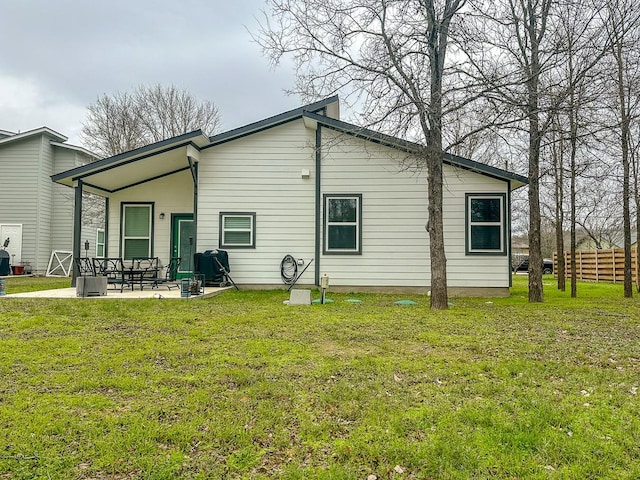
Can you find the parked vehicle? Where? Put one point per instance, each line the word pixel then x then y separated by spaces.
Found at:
pixel 521 264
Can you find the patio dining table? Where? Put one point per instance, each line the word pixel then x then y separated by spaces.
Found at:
pixel 134 276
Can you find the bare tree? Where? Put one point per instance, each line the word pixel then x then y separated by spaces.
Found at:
pixel 391 56
pixel 518 56
pixel 557 156
pixel 519 46
pixel 623 30
pixel 124 121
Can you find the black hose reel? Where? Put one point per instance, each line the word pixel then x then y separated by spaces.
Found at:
pixel 289 270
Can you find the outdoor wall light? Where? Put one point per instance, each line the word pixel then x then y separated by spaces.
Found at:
pixel 162 216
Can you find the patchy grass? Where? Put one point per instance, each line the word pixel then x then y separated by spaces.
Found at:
pixel 20 284
pixel 242 386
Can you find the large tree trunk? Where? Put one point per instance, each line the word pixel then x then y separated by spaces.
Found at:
pixel 439 297
pixel 535 247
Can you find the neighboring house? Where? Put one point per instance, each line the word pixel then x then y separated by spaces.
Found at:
pixel 519 248
pixel 608 240
pixel 36 214
pixel 305 183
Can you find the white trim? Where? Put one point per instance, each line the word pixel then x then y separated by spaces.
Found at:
pixel 68 146
pixel 37 131
pixel 500 223
pixel 98 243
pixel 149 206
pixel 328 223
pixel 60 261
pixel 250 230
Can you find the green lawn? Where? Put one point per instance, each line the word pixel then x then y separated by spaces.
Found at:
pixel 242 386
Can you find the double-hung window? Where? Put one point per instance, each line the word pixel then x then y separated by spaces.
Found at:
pixel 343 224
pixel 136 230
pixel 237 230
pixel 486 224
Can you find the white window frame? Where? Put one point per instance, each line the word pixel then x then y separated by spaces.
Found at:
pixel 502 223
pixel 103 243
pixel 358 224
pixel 124 229
pixel 251 230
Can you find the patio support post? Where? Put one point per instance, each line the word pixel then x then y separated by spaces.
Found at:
pixel 77 227
pixel 319 223
pixel 194 174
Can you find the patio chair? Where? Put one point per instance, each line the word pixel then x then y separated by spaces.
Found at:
pixel 170 279
pixel 145 270
pixel 113 269
pixel 85 266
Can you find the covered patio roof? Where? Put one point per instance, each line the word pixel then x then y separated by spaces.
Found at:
pixel 138 166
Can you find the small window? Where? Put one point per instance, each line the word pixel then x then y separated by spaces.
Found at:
pixel 100 243
pixel 136 230
pixel 486 220
pixel 342 224
pixel 237 230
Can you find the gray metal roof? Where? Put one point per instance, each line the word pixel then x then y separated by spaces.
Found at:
pixel 136 166
pixel 170 155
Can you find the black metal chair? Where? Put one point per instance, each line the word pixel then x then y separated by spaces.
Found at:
pixel 113 269
pixel 170 278
pixel 85 266
pixel 146 271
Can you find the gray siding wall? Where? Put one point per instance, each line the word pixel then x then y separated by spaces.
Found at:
pixel 63 203
pixel 63 206
pixel 20 192
pixel 44 205
pixel 29 197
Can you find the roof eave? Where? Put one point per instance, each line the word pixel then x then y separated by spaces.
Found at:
pixel 196 138
pixel 75 148
pixel 37 131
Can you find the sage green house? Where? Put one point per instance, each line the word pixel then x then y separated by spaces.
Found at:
pixel 36 214
pixel 340 199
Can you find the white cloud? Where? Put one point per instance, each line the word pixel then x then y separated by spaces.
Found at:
pixel 24 105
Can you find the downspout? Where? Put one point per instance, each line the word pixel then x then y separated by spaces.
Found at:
pixel 193 166
pixel 318 202
pixel 77 227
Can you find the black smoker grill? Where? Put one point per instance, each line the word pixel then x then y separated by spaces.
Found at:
pixel 4 263
pixel 214 265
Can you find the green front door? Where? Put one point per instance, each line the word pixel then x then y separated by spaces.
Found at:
pixel 182 243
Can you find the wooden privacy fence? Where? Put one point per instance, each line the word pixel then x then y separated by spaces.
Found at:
pixel 599 265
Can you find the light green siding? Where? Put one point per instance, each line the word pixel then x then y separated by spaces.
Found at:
pixel 262 174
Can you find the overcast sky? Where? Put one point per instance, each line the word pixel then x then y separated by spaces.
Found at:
pixel 56 57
